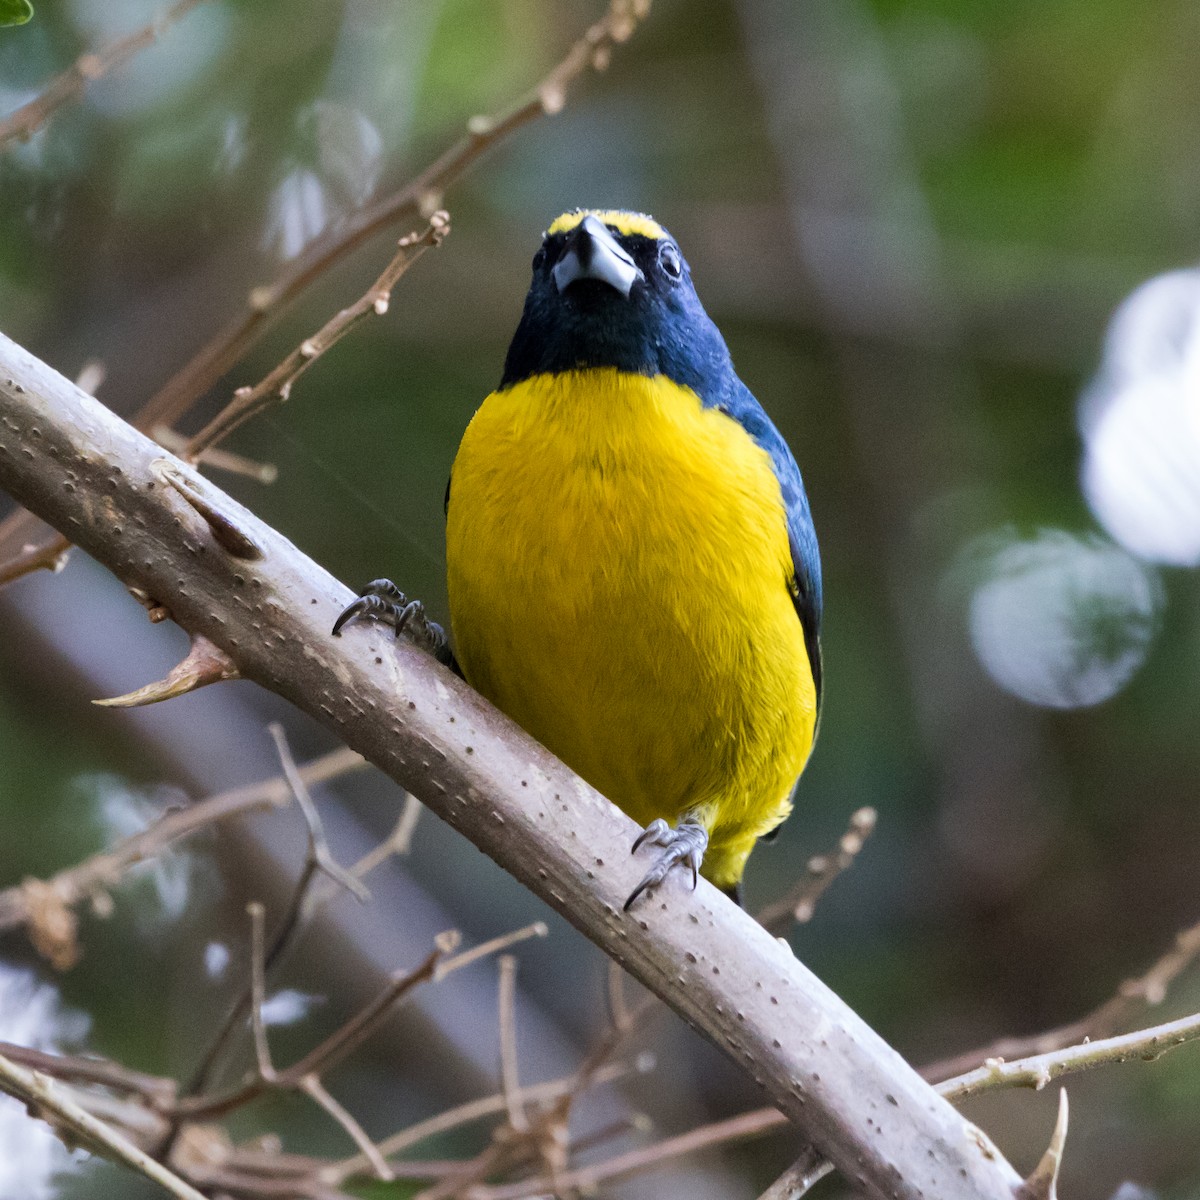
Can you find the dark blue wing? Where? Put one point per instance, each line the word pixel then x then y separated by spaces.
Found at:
pixel 805 585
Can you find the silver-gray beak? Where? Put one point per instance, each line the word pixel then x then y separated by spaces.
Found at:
pixel 592 252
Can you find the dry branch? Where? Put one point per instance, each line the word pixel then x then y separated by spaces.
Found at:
pixel 45 1099
pixel 74 463
pixel 1132 998
pixel 276 386
pixel 45 905
pixel 23 548
pixel 820 871
pixel 87 68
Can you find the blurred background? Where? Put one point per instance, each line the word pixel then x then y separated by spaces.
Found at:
pixel 952 247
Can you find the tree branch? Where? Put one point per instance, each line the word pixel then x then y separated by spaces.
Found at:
pixel 49 1101
pixel 45 905
pixel 77 465
pixel 276 386
pixel 87 68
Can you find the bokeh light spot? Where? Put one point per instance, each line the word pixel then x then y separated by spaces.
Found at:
pixel 1062 621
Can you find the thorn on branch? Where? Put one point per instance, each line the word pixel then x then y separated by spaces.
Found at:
pixel 205 663
pixel 1043 1183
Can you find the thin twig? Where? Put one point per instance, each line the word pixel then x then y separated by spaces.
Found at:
pixel 398 842
pixel 45 905
pixel 420 197
pixel 807 1171
pixel 311 1085
pixel 343 1042
pixel 318 846
pixel 50 1102
pixel 87 68
pixel 466 1114
pixel 276 386
pixel 48 553
pixel 822 869
pixel 735 1129
pixel 318 862
pixel 221 460
pixel 74 1068
pixel 510 1079
pixel 258 991
pixel 1134 996
pixel 536 929
pixel 1040 1069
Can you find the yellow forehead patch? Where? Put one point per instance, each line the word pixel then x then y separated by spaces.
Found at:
pixel 628 223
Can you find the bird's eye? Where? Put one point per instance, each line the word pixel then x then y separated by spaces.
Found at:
pixel 539 259
pixel 670 261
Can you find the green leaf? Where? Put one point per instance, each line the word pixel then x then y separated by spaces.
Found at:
pixel 15 12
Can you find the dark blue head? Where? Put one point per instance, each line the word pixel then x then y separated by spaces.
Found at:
pixel 610 289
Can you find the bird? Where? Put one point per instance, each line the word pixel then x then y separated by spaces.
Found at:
pixel 632 567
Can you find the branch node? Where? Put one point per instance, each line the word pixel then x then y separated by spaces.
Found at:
pixel 53 927
pixel 225 530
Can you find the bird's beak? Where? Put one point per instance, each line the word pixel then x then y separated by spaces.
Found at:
pixel 592 252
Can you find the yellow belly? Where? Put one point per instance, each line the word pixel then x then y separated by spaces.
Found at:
pixel 617 563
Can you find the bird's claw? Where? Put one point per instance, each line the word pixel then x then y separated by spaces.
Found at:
pixel 684 845
pixel 381 600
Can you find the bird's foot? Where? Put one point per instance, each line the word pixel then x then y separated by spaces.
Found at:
pixel 381 600
pixel 685 844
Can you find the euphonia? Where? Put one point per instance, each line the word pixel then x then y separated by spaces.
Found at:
pixel 632 567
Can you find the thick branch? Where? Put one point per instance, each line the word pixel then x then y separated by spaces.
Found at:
pixel 75 464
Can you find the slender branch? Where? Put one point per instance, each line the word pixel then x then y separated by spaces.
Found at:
pixel 25 121
pixel 805 1173
pixel 45 905
pixel 276 386
pixel 509 1069
pixel 339 1045
pixel 420 197
pixel 46 554
pixel 258 991
pixel 155 1089
pixel 313 1087
pixel 736 1129
pixel 343 1042
pixel 319 864
pixel 221 460
pixel 822 869
pixel 466 1114
pixel 319 853
pixel 1040 1069
pixel 1134 996
pixel 50 1102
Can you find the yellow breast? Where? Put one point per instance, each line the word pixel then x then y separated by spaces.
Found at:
pixel 618 562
